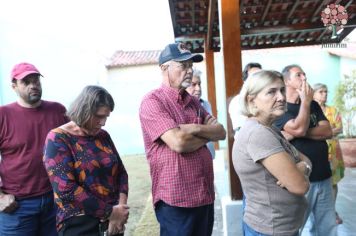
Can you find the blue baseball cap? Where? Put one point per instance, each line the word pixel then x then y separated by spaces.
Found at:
pixel 178 52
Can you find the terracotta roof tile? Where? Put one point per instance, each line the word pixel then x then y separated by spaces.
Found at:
pixel 133 58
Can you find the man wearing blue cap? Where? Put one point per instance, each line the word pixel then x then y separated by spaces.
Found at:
pixel 176 129
pixel 26 197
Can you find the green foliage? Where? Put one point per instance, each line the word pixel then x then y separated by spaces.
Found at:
pixel 345 102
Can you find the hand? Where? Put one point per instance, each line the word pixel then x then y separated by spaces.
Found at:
pixel 287 135
pixel 279 183
pixel 306 93
pixel 119 215
pixel 8 203
pixel 114 229
pixel 337 131
pixel 210 120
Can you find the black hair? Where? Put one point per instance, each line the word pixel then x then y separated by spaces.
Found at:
pixel 248 67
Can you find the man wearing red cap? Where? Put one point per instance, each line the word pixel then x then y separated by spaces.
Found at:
pixel 176 129
pixel 26 197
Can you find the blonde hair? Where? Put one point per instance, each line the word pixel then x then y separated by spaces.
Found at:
pixel 252 86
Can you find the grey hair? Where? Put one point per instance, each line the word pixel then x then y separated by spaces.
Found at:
pixel 252 86
pixel 318 86
pixel 196 73
pixel 87 104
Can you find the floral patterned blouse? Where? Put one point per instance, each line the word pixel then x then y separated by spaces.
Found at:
pixel 335 155
pixel 86 173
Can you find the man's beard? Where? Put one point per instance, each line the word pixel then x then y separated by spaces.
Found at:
pixel 185 84
pixel 34 99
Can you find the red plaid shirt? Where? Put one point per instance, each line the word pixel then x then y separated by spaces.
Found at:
pixel 183 180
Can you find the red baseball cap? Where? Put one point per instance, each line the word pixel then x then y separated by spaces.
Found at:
pixel 22 70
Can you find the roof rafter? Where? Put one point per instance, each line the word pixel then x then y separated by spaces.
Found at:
pixel 266 11
pixel 296 3
pixel 211 19
pixel 319 7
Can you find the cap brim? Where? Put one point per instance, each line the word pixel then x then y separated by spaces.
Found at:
pixel 194 58
pixel 26 73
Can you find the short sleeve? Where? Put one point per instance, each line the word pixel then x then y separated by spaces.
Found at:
pixel 282 121
pixel 155 118
pixel 262 143
pixel 319 113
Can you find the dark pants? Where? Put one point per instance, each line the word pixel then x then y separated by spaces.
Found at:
pixel 180 221
pixel 84 226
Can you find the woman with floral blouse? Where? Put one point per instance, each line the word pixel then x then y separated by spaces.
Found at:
pixel 89 180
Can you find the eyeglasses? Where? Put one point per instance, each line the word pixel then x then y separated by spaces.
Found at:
pixel 185 65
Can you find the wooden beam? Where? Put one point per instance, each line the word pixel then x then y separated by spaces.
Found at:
pixel 318 9
pixel 230 22
pixel 296 3
pixel 211 19
pixel 265 12
pixel 301 34
pixel 322 35
pixel 171 8
pixel 210 76
pixel 348 4
pixel 301 27
pixel 192 11
pixel 283 45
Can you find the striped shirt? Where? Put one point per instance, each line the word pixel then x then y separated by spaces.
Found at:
pixel 186 179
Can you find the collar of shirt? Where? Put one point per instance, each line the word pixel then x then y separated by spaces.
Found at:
pixel 181 98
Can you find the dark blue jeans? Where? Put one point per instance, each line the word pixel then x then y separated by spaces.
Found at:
pixel 35 216
pixel 180 221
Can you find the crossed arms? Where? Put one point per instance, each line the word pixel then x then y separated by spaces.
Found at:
pixel 190 137
pixel 299 126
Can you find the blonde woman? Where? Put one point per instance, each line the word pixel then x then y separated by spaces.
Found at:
pixel 273 174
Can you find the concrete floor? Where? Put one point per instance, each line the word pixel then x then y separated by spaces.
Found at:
pixel 346 203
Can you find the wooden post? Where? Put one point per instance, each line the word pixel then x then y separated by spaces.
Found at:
pixel 231 45
pixel 210 74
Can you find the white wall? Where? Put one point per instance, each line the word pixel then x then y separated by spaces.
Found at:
pixel 128 85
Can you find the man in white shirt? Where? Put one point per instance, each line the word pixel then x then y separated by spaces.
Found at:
pixel 236 118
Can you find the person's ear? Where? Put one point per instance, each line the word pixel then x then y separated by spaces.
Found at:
pixel 14 85
pixel 286 81
pixel 250 99
pixel 164 67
